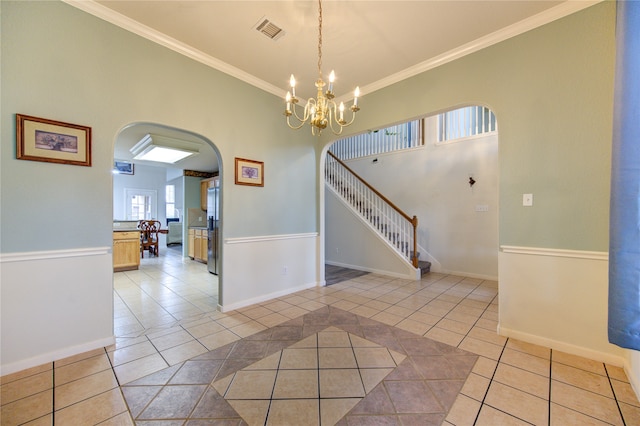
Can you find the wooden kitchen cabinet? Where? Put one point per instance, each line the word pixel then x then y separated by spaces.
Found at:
pixel 191 241
pixel 205 184
pixel 198 249
pixel 126 250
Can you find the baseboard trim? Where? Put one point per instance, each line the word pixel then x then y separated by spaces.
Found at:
pixel 265 297
pixel 53 254
pixel 616 360
pixel 55 355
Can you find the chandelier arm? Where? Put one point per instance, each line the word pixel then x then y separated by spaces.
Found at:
pixel 295 113
pixel 292 126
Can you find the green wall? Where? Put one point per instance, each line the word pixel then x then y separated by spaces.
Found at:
pixel 63 64
pixel 552 91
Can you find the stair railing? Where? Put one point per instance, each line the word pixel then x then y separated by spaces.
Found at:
pixel 390 221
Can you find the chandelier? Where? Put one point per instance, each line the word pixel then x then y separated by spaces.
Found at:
pixel 323 111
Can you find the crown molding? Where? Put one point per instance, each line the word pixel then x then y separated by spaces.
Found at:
pixel 124 22
pixel 564 9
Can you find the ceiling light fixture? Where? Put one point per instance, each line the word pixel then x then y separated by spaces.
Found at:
pixel 163 149
pixel 323 111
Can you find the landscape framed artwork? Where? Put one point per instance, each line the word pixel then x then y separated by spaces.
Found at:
pixel 41 139
pixel 123 167
pixel 249 172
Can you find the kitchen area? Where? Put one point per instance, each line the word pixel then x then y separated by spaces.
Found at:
pixel 203 243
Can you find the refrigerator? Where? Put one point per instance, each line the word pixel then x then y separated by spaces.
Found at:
pixel 213 228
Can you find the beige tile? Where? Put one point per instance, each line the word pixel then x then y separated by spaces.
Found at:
pixel 218 339
pixel 481 347
pixel 93 410
pixel 255 312
pixel 444 336
pixel 134 370
pixel 387 318
pixel 133 352
pixel 371 377
pixel 86 387
pixel 585 402
pixel 345 305
pixel 299 358
pixel 455 326
pixel 476 387
pixel 269 363
pixel 489 416
pixel 8 378
pixel 307 342
pixel 485 367
pixel 561 416
pixel 27 409
pixel 527 362
pixel 253 412
pixel 296 384
pixel 336 358
pixel 123 419
pixel 631 414
pixel 523 380
pixel 366 311
pixel 624 392
pixel 529 348
pixel 412 326
pixel 248 328
pixel 79 369
pixel 374 358
pixel 79 357
pixel 617 373
pixel 171 340
pixel 581 378
pixel 487 336
pixel 464 411
pixel 342 383
pixel 359 342
pixel 183 352
pixel 294 412
pixel 41 421
pixel 332 410
pixel 222 385
pixel 205 329
pixel 272 320
pixel 517 403
pixel 293 312
pixel 579 362
pixel 29 385
pixel 251 385
pixel 333 339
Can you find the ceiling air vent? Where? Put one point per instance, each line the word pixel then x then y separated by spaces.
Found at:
pixel 268 28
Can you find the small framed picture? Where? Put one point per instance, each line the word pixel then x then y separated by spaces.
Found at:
pixel 40 139
pixel 249 172
pixel 123 167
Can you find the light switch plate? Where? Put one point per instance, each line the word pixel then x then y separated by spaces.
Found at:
pixel 527 200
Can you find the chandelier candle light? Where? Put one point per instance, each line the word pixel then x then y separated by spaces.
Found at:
pixel 323 111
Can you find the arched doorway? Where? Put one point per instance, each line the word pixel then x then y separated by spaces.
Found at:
pixel 170 287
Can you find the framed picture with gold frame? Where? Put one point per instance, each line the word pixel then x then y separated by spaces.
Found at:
pixel 41 139
pixel 249 172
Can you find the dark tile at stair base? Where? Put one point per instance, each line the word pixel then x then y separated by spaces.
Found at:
pixel 420 347
pixel 437 368
pixel 249 349
pixel 287 333
pixel 215 422
pixel 405 371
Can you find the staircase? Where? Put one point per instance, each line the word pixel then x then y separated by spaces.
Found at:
pixel 394 226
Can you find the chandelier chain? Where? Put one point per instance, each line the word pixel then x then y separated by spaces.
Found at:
pixel 320 39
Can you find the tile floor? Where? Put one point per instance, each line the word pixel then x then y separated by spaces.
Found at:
pixel 173 346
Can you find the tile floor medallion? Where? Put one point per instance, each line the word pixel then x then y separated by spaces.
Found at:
pixel 328 367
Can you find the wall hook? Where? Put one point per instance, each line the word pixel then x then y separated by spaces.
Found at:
pixel 471 181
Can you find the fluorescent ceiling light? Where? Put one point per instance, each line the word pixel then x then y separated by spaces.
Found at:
pixel 163 149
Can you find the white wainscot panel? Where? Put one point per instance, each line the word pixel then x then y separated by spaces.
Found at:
pixel 558 299
pixel 262 268
pixel 54 304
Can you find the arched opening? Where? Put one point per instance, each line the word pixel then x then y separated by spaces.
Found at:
pixel 448 180
pixel 172 284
